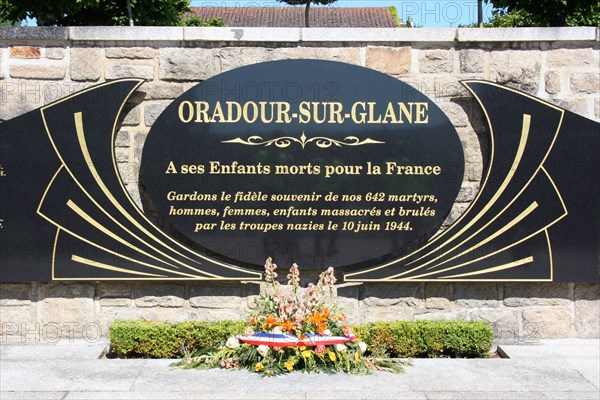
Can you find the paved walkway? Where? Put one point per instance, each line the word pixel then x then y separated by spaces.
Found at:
pixel 556 369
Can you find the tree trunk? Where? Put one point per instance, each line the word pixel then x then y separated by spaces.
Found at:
pixel 306 14
pixel 129 15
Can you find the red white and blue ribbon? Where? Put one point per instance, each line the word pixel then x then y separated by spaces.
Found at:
pixel 286 340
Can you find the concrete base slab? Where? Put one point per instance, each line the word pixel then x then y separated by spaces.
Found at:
pixel 60 350
pixel 548 371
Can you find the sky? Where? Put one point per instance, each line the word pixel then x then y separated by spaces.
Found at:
pixel 426 13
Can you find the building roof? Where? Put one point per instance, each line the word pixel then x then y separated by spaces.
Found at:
pixel 321 17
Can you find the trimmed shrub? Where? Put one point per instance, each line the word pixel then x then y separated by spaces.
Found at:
pixel 399 339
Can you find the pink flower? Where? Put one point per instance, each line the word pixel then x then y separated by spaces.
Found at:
pixel 347 330
pixel 320 349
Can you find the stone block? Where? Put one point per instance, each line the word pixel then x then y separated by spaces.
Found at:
pixel 389 60
pixel 54 53
pixel 471 60
pixel 37 71
pixel 138 145
pixel 123 139
pixel 554 323
pixel 350 55
pixel 85 64
pixel 457 210
pixel 132 116
pixel 588 82
pixel 152 112
pixel 505 323
pixel 224 314
pixel 66 309
pixel 391 313
pixel 117 71
pixel 587 310
pixel 122 154
pixel 348 301
pixel 25 52
pixel 166 295
pixel 131 52
pixel 571 58
pixel 552 81
pixel 15 294
pixel 109 289
pixel 517 68
pixel 134 192
pixel 467 192
pixel 41 33
pixel 442 316
pixel 587 318
pixel 436 60
pixel 187 64
pixel 391 294
pixel 19 323
pixel 115 302
pixel 541 294
pixel 216 296
pixel 438 295
pixel 477 295
pixel 576 105
pixel 455 113
pixel 235 57
pixel 161 91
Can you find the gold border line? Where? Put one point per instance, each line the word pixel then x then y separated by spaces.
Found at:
pixel 499 232
pixel 347 277
pixel 54 250
pixel 59 227
pixel 139 82
pixel 90 164
pixel 507 179
pixel 63 229
pixel 150 223
pixel 97 264
pixel 544 229
pixel 550 255
pixel 502 267
pixel 87 218
pixel 463 215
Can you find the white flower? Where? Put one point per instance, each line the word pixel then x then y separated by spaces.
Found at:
pixel 249 331
pixel 277 330
pixel 362 347
pixel 262 350
pixel 232 343
pixel 341 348
pixel 327 332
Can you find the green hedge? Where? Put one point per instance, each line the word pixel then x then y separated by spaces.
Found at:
pixel 150 339
pixel 470 339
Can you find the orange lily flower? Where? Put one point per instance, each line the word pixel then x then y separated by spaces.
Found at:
pixel 288 326
pixel 321 328
pixel 270 322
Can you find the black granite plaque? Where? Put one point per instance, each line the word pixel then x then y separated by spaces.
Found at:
pixel 312 162
pixel 315 162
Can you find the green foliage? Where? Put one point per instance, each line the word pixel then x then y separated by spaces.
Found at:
pixel 195 21
pixel 307 4
pixel 395 15
pixel 516 13
pixel 95 12
pixel 150 339
pixel 403 339
pixel 427 338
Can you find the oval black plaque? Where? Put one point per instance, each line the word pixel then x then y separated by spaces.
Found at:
pixel 306 161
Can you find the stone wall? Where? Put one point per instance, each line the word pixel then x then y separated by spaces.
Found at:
pixel 40 65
